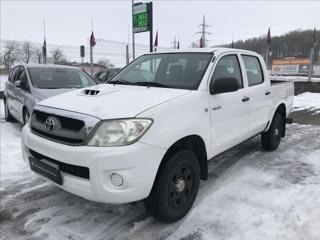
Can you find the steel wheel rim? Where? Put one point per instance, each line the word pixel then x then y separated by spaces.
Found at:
pixel 181 186
pixel 277 130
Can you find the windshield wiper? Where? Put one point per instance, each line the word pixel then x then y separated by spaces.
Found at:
pixel 151 84
pixel 120 81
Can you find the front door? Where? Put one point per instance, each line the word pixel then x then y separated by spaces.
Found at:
pixel 22 92
pixel 11 92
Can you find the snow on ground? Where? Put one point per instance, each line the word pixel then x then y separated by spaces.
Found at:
pixel 3 79
pixel 250 194
pixel 307 101
pixel 294 78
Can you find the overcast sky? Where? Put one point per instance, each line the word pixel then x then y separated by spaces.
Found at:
pixel 69 22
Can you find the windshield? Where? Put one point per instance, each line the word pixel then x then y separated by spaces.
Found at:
pixel 53 78
pixel 171 70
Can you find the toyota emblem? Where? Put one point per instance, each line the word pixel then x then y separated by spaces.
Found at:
pixel 50 124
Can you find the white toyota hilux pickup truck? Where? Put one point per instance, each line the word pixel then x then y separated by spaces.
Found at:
pixel 148 133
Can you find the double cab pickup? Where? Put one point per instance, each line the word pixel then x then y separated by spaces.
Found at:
pixel 149 131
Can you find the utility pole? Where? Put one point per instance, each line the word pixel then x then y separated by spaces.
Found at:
pixel 311 64
pixel 312 52
pixel 151 26
pixel 175 42
pixel 203 31
pixel 44 47
pixel 133 44
pixel 127 47
pixel 127 54
pixel 232 44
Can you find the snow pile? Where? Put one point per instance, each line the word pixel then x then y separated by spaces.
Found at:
pixel 307 101
pixel 250 194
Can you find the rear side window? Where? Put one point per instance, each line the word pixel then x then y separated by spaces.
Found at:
pixel 228 67
pixel 253 70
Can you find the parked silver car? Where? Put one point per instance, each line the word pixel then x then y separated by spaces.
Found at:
pixel 28 84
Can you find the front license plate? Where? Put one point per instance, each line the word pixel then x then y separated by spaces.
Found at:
pixel 46 169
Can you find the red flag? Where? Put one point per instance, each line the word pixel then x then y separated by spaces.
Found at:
pixel 178 46
pixel 201 43
pixel 269 37
pixel 156 40
pixel 92 40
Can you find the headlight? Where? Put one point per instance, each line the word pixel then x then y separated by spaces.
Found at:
pixel 119 132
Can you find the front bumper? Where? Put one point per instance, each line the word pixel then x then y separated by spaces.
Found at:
pixel 137 164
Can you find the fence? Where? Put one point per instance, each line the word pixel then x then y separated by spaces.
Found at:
pixel 115 51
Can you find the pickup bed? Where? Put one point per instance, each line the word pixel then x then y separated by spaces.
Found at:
pixel 148 133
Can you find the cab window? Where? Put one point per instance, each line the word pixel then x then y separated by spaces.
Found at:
pixel 253 70
pixel 228 67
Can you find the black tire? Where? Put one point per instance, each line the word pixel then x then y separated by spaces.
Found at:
pixel 175 188
pixel 271 139
pixel 7 115
pixel 26 116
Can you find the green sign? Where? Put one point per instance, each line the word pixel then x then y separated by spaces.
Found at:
pixel 141 20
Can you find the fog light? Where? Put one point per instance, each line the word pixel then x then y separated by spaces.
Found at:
pixel 116 179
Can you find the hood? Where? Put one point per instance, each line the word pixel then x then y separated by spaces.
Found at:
pixel 46 93
pixel 107 101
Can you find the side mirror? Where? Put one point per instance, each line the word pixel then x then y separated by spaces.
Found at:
pixel 223 85
pixel 20 84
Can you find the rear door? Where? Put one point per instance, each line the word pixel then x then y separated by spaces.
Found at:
pixel 229 111
pixel 259 92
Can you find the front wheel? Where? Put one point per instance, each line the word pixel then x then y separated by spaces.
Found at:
pixel 175 188
pixel 271 139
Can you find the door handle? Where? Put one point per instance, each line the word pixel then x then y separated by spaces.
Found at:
pixel 267 93
pixel 245 99
pixel 216 108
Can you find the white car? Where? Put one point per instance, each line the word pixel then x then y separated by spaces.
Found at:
pixel 149 132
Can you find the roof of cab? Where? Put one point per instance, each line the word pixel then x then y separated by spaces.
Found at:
pixel 216 50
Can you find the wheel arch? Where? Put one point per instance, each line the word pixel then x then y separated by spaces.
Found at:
pixel 196 144
pixel 281 109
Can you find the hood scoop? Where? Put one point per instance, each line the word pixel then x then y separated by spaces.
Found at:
pixel 91 92
pixel 97 91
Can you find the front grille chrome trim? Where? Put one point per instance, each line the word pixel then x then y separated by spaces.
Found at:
pixel 65 137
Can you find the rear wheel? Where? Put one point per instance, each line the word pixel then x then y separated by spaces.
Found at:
pixel 7 113
pixel 175 188
pixel 271 139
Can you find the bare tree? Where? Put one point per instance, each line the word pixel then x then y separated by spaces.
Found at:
pixel 10 54
pixel 26 52
pixel 37 54
pixel 57 55
pixel 106 62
